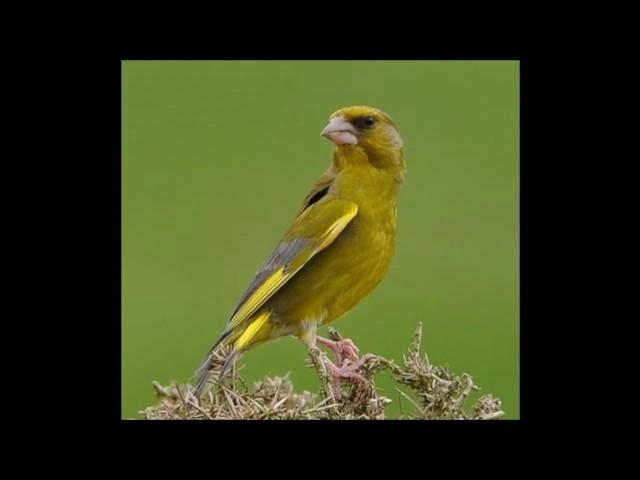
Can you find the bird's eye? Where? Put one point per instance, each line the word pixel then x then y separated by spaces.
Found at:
pixel 364 122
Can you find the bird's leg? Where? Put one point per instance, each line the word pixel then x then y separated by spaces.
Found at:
pixel 347 362
pixel 347 371
pixel 344 348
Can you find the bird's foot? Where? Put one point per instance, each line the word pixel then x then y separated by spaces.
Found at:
pixel 347 363
pixel 343 349
pixel 348 370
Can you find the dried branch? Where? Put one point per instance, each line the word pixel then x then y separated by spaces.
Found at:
pixel 436 394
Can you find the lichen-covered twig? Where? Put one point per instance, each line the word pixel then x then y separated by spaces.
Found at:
pixel 436 394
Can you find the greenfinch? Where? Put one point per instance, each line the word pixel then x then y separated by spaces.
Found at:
pixel 337 249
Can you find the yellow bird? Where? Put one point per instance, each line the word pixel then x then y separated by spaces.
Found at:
pixel 337 249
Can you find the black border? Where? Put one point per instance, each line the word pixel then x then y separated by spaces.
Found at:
pixel 109 70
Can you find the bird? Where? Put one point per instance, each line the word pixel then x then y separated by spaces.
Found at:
pixel 335 252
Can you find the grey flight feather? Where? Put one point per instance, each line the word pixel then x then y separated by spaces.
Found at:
pixel 283 254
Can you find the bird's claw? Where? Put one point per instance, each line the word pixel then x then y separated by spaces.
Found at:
pixel 347 371
pixel 341 348
pixel 348 349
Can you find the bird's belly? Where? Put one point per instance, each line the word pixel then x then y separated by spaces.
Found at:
pixel 336 279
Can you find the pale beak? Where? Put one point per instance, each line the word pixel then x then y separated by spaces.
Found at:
pixel 340 132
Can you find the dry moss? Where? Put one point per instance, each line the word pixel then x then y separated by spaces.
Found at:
pixel 436 394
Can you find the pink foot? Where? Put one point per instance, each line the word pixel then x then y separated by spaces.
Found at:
pixel 342 349
pixel 347 363
pixel 347 371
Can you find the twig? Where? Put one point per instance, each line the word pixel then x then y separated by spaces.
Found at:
pixel 435 392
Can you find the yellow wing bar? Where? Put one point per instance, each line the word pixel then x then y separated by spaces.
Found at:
pixel 252 330
pixel 314 230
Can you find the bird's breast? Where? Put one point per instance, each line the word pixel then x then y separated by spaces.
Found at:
pixel 368 247
pixel 336 279
pixel 339 277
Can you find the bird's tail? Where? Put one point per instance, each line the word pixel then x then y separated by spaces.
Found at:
pixel 256 330
pixel 205 371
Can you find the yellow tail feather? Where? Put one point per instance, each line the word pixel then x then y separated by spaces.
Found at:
pixel 257 330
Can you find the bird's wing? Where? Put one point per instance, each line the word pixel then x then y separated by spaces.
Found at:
pixel 312 231
pixel 319 223
pixel 319 190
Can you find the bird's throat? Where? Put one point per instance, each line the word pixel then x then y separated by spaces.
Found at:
pixel 390 161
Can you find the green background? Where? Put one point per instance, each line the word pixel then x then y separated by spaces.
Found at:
pixel 217 156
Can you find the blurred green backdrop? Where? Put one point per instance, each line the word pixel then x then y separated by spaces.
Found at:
pixel 217 156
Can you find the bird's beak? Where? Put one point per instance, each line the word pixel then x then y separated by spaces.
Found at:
pixel 340 132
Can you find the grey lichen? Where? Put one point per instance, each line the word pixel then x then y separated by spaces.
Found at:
pixel 436 394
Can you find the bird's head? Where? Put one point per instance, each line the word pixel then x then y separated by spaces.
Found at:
pixel 371 131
